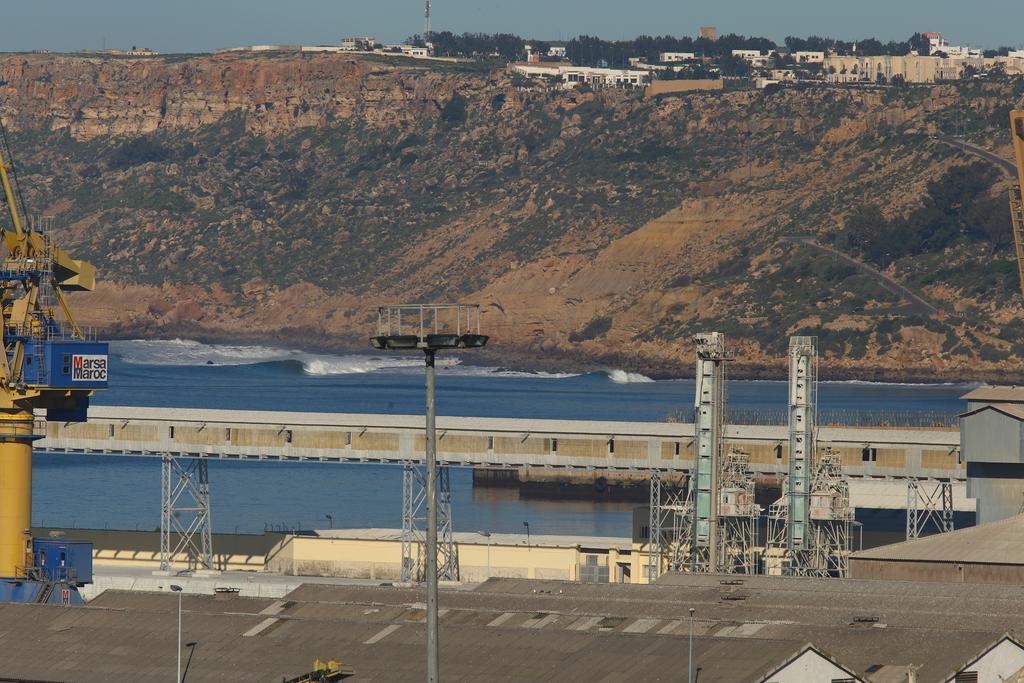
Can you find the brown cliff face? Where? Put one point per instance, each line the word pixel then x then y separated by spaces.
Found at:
pixel 284 197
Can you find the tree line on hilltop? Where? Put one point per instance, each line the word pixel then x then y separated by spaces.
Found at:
pixel 587 50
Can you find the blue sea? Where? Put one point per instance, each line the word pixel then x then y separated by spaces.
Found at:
pixel 124 493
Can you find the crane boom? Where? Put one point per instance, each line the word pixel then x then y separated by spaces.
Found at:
pixel 1017 190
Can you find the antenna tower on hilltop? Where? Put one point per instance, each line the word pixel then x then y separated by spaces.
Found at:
pixel 426 22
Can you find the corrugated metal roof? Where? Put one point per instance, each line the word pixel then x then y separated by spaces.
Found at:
pixel 1012 394
pixel 999 542
pixel 553 631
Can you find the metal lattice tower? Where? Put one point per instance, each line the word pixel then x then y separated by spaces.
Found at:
pixel 929 505
pixel 426 22
pixel 831 519
pixel 809 526
pixel 737 514
pixel 671 526
pixel 709 417
pixel 185 512
pixel 414 518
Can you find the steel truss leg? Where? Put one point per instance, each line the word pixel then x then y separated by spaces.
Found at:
pixel 185 512
pixel 654 549
pixel 929 507
pixel 414 518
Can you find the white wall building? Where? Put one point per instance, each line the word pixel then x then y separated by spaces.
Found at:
pixel 667 57
pixel 574 76
pixel 810 666
pixel 1002 661
pixel 809 57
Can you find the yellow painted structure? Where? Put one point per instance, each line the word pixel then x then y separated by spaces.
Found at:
pixel 27 313
pixel 15 491
pixel 1017 192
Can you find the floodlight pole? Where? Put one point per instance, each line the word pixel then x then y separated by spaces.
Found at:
pixel 433 648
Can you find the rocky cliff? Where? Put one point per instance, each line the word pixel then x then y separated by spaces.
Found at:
pixel 283 197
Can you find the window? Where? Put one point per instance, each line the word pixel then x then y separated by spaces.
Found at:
pixel 554 445
pixel 67 363
pixel 677 449
pixel 348 438
pixel 227 434
pixel 869 454
pixel 967 677
pixel 490 443
pixel 287 436
pixel 611 446
pixel 778 451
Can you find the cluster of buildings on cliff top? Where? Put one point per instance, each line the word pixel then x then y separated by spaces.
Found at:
pixel 683 71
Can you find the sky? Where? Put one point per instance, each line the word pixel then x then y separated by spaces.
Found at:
pixel 203 25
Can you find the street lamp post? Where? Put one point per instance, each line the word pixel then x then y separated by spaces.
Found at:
pixel 177 589
pixel 429 328
pixel 689 667
pixel 487 535
pixel 527 525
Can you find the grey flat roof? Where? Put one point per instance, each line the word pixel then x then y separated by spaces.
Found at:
pixel 523 630
pixel 1000 542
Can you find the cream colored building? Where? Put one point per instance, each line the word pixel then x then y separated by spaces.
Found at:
pixel 377 554
pixel 912 68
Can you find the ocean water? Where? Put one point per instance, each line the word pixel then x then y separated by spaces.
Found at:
pixel 124 493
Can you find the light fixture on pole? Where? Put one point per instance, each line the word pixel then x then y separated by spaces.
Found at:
pixel 689 667
pixel 177 589
pixel 487 535
pixel 527 525
pixel 429 328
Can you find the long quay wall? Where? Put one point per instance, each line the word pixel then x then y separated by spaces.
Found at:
pixel 867 452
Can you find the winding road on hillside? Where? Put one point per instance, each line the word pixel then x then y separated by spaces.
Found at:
pixel 913 304
pixel 1006 165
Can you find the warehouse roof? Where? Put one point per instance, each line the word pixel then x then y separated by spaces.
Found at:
pixel 1009 409
pixel 511 629
pixel 1008 394
pixel 1000 542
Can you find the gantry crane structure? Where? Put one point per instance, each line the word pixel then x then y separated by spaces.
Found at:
pixel 1017 190
pixel 48 364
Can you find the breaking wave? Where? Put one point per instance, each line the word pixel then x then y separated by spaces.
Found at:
pixel 623 377
pixel 187 352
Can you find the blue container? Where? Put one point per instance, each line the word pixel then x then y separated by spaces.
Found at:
pixel 61 560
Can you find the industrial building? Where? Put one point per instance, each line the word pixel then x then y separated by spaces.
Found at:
pixel 749 629
pixel 991 553
pixel 992 443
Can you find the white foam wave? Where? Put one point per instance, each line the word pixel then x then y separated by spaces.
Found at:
pixel 185 352
pixel 356 365
pixel 190 352
pixel 623 377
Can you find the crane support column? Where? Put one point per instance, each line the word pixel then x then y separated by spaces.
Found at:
pixel 802 383
pixel 708 421
pixel 16 436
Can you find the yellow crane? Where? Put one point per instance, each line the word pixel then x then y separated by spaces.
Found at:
pixel 1016 212
pixel 48 364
